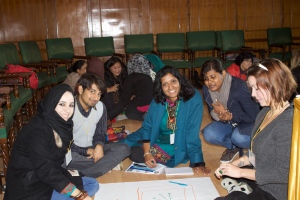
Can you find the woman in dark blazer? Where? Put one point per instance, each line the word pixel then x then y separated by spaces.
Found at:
pixel 231 107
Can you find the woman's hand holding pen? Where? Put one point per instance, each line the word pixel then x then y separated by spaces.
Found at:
pixel 228 169
pixel 150 161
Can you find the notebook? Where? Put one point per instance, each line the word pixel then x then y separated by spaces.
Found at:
pixel 179 171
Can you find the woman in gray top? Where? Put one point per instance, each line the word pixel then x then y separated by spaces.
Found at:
pixel 272 86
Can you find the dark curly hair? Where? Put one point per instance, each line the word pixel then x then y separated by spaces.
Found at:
pixel 242 56
pixel 187 90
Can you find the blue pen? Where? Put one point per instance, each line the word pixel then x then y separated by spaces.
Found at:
pixel 182 184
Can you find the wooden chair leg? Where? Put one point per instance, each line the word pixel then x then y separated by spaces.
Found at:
pixel 19 119
pixel 5 157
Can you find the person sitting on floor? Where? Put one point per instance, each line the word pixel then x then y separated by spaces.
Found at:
pixel 242 62
pixel 34 170
pixel 115 74
pixel 170 131
pixel 91 154
pixel 231 107
pixel 138 87
pixel 268 158
pixel 96 66
pixel 75 71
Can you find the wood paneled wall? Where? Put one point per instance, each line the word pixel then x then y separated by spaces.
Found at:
pixel 40 19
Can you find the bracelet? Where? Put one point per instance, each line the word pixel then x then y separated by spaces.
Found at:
pixel 147 153
pixel 81 195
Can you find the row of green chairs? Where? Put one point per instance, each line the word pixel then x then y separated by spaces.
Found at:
pixel 22 102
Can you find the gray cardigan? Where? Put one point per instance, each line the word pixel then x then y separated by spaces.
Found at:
pixel 272 152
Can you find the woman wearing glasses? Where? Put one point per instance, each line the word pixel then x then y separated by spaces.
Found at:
pixel 170 131
pixel 272 85
pixel 242 62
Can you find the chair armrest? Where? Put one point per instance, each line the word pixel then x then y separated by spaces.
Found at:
pixel 278 45
pixel 40 66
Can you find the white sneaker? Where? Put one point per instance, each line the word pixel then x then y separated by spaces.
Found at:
pixel 242 187
pixel 229 184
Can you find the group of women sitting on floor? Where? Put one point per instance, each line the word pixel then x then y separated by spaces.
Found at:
pixel 170 130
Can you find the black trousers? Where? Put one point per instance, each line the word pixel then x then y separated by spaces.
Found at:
pixel 256 194
pixel 137 154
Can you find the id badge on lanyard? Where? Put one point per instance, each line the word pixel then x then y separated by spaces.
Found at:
pixel 68 155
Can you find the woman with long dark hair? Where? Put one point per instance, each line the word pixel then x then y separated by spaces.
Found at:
pixel 170 131
pixel 115 74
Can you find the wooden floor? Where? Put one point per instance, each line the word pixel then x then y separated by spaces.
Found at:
pixel 211 153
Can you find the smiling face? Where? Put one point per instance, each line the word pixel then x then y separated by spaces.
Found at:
pixel 116 69
pixel 170 86
pixel 261 95
pixel 88 98
pixel 65 106
pixel 214 80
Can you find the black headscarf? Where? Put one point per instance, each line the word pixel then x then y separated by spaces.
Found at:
pixel 46 111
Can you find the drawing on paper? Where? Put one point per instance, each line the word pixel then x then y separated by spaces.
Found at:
pixel 172 192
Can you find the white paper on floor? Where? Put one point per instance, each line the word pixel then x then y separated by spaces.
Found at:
pixel 180 189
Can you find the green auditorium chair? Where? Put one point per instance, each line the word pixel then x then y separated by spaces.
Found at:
pixel 280 42
pixel 61 51
pixel 174 44
pixel 101 47
pixel 233 42
pixel 138 43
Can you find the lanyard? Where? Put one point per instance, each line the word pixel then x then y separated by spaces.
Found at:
pixel 171 123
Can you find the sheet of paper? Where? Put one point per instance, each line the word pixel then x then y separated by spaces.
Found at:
pixel 190 189
pixel 179 171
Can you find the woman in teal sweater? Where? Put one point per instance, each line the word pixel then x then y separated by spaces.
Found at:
pixel 170 131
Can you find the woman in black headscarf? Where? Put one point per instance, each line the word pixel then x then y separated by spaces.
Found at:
pixel 34 170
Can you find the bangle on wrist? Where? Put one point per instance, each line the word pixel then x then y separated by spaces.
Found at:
pixel 81 195
pixel 146 153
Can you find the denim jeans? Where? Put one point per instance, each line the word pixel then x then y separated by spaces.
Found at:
pixel 224 134
pixel 90 185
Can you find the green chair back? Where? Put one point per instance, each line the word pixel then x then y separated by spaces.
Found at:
pixel 59 48
pixel 30 52
pixel 8 55
pixel 280 36
pixel 201 40
pixel 138 43
pixel 232 40
pixel 99 46
pixel 218 39
pixel 170 42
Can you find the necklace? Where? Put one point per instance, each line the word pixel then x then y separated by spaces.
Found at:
pixel 172 114
pixel 266 121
